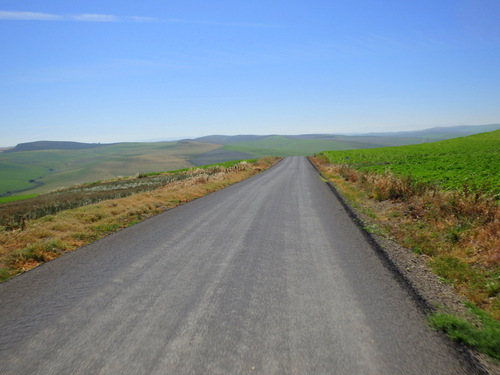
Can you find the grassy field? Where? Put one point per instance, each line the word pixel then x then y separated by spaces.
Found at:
pixel 60 168
pixel 16 198
pixel 285 146
pixel 471 162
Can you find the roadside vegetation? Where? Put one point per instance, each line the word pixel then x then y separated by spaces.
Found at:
pixel 39 229
pixel 483 333
pixel 440 200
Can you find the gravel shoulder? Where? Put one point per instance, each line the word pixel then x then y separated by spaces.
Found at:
pixel 413 273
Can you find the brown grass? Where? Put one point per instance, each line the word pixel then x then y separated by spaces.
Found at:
pixel 457 231
pixel 50 236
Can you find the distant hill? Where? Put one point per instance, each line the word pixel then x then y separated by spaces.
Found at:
pixel 44 169
pixel 52 145
pixel 447 132
pixel 308 144
pixel 224 139
pixel 42 166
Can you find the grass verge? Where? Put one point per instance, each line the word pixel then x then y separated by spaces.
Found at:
pixel 484 334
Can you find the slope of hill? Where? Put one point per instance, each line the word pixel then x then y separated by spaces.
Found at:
pixel 44 170
pixel 442 131
pixel 43 166
pixel 53 145
pixel 307 144
pixel 472 161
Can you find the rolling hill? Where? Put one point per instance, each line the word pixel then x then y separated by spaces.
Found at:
pixel 471 162
pixel 40 171
pixel 306 144
pixel 39 167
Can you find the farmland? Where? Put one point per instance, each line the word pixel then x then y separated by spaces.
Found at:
pixel 51 169
pixel 285 146
pixel 40 167
pixel 471 163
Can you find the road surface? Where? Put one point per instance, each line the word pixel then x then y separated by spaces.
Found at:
pixel 268 276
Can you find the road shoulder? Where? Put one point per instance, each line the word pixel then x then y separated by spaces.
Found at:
pixel 413 273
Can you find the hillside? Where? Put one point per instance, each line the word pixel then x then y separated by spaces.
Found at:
pixel 308 144
pixel 472 162
pixel 53 145
pixel 38 167
pixel 41 171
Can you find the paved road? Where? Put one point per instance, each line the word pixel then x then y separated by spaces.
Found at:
pixel 267 276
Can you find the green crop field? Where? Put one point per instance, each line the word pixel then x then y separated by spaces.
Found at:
pixel 471 162
pixel 16 198
pixel 60 168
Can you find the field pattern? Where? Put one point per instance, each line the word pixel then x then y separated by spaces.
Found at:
pixel 471 163
pixel 53 169
pixel 285 146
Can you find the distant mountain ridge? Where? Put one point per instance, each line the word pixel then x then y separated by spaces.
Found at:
pixel 53 145
pixel 436 133
pixel 460 130
pixel 412 136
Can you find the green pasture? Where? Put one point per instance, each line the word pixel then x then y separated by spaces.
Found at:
pixel 16 198
pixel 285 146
pixel 60 168
pixel 471 162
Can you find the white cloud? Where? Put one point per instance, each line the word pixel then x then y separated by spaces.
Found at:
pixel 143 19
pixel 218 23
pixel 95 18
pixel 28 16
pixel 91 17
pixel 85 17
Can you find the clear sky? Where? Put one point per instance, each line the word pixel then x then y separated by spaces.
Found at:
pixel 120 70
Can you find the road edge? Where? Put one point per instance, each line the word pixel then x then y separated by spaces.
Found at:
pixel 466 353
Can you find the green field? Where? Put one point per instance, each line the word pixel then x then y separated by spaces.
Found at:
pixel 32 170
pixel 60 168
pixel 471 162
pixel 285 146
pixel 16 198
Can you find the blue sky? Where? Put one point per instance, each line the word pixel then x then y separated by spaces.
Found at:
pixel 110 71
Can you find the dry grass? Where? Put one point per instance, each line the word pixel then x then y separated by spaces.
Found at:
pixel 457 231
pixel 48 237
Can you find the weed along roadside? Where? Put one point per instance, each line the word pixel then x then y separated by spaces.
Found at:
pixel 452 229
pixel 40 229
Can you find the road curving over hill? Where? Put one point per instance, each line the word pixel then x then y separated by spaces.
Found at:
pixel 268 276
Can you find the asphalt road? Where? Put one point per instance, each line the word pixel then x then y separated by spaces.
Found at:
pixel 268 276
